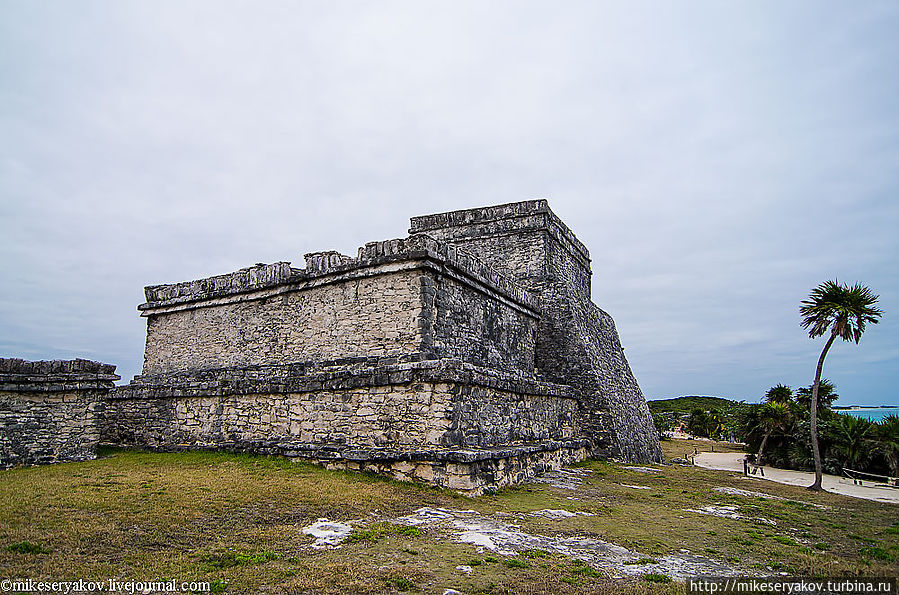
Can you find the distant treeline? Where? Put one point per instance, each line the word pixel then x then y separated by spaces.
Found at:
pixel 777 431
pixel 683 405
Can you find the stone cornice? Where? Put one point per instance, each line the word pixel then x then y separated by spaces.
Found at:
pixel 328 376
pixel 375 258
pixel 20 375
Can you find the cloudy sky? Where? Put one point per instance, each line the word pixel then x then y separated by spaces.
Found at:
pixel 719 160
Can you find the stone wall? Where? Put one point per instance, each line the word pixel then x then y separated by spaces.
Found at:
pixel 371 315
pixel 577 343
pixel 477 329
pixel 444 421
pixel 49 410
pixel 473 471
pixel 398 297
pixel 367 403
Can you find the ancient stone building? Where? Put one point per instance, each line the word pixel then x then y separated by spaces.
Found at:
pixel 50 410
pixel 468 355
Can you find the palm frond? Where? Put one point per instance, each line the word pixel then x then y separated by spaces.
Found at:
pixel 843 310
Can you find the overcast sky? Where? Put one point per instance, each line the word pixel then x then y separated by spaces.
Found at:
pixel 718 159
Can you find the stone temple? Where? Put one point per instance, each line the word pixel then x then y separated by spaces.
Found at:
pixel 468 355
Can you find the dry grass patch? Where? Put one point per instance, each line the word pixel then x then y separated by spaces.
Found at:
pixel 237 520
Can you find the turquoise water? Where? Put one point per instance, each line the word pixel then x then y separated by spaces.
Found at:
pixel 874 414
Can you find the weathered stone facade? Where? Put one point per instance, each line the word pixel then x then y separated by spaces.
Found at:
pixel 398 298
pixel 577 343
pixel 439 420
pixel 49 410
pixel 468 355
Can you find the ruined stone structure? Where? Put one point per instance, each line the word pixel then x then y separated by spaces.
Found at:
pixel 468 355
pixel 49 410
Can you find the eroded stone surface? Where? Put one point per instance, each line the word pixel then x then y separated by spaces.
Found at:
pixel 551 513
pixel 327 533
pixel 751 494
pixel 565 478
pixel 49 410
pixel 497 535
pixel 727 512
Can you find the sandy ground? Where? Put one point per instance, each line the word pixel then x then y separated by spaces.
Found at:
pixel 733 461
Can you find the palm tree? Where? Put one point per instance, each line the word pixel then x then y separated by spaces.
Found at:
pixel 827 394
pixel 888 432
pixel 844 311
pixel 773 417
pixel 852 436
pixel 780 393
pixel 698 423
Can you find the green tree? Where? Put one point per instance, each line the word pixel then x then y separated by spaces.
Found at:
pixel 772 417
pixel 852 437
pixel 663 423
pixel 843 311
pixel 698 423
pixel 888 441
pixel 779 393
pixel 827 394
pixel 714 424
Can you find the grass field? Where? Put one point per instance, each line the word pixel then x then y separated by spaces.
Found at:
pixel 236 521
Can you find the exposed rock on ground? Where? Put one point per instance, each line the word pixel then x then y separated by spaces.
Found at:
pixel 507 539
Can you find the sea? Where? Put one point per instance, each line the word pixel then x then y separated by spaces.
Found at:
pixel 875 414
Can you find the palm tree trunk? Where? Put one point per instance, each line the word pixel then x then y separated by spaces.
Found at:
pixel 816 452
pixel 758 460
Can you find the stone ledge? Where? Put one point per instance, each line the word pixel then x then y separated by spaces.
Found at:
pixel 469 471
pixel 513 216
pixel 18 375
pixel 345 374
pixel 454 455
pixel 321 265
pixel 368 453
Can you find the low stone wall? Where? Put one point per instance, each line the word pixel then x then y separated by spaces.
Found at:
pixel 49 410
pixel 442 421
pixel 471 471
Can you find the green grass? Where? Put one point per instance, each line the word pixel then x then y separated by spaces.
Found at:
pixel 534 553
pixel 877 553
pixel 784 540
pixel 581 568
pixel 236 520
pixel 231 558
pixel 381 529
pixel 402 584
pixel 27 547
pixel 516 563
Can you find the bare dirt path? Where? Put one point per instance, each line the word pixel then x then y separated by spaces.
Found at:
pixel 733 461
